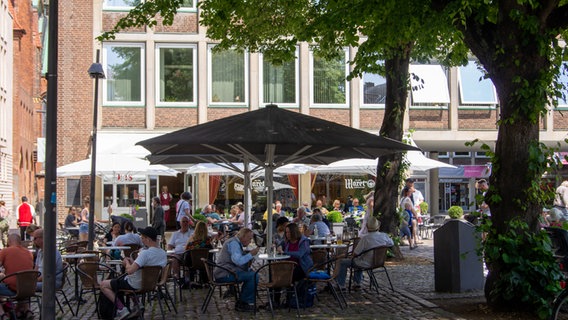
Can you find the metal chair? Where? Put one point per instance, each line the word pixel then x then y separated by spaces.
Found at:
pixel 162 287
pixel 89 275
pixel 61 289
pixel 319 273
pixel 379 255
pixel 213 283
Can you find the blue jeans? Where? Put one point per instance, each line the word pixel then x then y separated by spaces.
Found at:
pixel 248 287
pixel 344 264
pixel 5 291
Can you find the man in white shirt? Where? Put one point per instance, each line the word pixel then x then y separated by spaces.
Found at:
pixel 178 242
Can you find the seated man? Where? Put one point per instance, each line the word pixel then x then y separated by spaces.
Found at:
pixel 152 255
pixel 177 243
pixel 38 242
pixel 372 239
pixel 232 257
pixel 317 223
pixel 20 259
pixel 355 207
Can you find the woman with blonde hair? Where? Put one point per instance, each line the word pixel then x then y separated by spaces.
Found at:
pixel 200 238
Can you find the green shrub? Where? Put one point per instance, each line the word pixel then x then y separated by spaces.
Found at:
pixel 335 217
pixel 455 212
pixel 423 207
pixel 200 217
pixel 197 211
pixel 127 216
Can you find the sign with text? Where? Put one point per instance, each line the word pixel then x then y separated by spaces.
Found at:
pixel 359 184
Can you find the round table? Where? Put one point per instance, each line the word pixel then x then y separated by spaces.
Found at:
pixel 114 248
pixel 269 257
pixel 76 257
pixel 327 246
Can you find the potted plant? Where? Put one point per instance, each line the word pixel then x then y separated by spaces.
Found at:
pixel 200 217
pixel 455 212
pixel 336 220
pixel 423 208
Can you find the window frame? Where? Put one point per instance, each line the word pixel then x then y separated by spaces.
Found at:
pixel 67 192
pixel 296 103
pixel 461 154
pixel 246 72
pixel 106 7
pixel 157 48
pixel 347 84
pixel 142 101
pixel 480 104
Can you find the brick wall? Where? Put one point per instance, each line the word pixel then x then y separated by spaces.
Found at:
pixel 183 22
pixel 371 119
pixel 560 120
pixel 477 119
pixel 429 119
pixel 111 18
pixel 341 116
pixel 219 112
pixel 75 97
pixel 175 117
pixel 124 117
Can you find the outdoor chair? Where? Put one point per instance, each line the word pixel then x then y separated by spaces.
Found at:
pixel 379 255
pixel 150 279
pixel 213 283
pixel 61 289
pixel 559 239
pixel 128 252
pixel 89 273
pixel 319 257
pixel 162 287
pixel 26 282
pixel 320 273
pixel 275 276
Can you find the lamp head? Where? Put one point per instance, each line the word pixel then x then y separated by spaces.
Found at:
pixel 96 71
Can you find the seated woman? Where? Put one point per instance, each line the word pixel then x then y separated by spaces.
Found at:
pixel 199 239
pixel 278 238
pixel 297 246
pixel 110 237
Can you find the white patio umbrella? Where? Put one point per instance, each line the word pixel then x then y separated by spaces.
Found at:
pixel 115 164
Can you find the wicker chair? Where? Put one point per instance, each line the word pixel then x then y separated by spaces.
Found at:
pixel 280 276
pixel 213 283
pixel 377 262
pixel 319 257
pixel 61 289
pixel 26 282
pixel 150 279
pixel 89 274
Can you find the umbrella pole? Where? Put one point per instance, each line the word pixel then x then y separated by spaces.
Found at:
pixel 268 178
pixel 247 195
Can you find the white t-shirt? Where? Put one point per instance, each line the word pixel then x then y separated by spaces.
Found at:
pixel 128 238
pixel 179 240
pixel 147 257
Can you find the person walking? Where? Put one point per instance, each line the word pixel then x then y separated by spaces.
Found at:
pixel 158 222
pixel 26 216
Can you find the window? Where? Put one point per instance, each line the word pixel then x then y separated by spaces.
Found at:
pixel 124 84
pixel 462 154
pixel 563 101
pixel 374 90
pixel 329 83
pixel 229 81
pixel 279 82
pixel 429 85
pixel 481 154
pixel 443 154
pixel 176 75
pixel 73 192
pixel 120 4
pixel 188 5
pixel 474 89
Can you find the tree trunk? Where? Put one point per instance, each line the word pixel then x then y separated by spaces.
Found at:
pixel 389 177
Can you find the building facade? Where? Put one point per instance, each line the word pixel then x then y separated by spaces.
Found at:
pixel 6 78
pixel 168 77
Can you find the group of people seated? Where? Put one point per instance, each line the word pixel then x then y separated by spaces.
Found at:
pixel 17 258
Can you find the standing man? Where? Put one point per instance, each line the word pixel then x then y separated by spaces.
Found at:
pixel 483 186
pixel 560 208
pixel 233 258
pixel 165 200
pixel 158 222
pixel 26 215
pixel 153 255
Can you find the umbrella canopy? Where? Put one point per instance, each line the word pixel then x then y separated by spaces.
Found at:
pixel 418 162
pixel 112 164
pixel 269 137
pixel 237 168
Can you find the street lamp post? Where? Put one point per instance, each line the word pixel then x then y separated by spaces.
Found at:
pixel 96 72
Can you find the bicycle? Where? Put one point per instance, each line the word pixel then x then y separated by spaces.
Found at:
pixel 560 305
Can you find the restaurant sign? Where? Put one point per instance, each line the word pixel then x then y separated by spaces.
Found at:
pixel 359 184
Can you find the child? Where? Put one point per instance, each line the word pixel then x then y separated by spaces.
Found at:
pixel 405 224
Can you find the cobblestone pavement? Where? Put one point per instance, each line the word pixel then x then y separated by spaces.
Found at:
pixel 414 285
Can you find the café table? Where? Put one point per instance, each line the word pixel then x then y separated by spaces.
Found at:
pixel 76 257
pixel 270 257
pixel 213 253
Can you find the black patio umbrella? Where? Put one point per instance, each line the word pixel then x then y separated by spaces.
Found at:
pixel 269 137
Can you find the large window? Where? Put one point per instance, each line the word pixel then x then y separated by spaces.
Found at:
pixel 228 76
pixel 73 192
pixel 124 67
pixel 563 101
pixel 474 88
pixel 329 84
pixel 374 90
pixel 279 82
pixel 176 74
pixel 429 85
pixel 120 4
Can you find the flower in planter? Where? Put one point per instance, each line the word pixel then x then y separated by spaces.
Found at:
pixel 455 212
pixel 335 217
